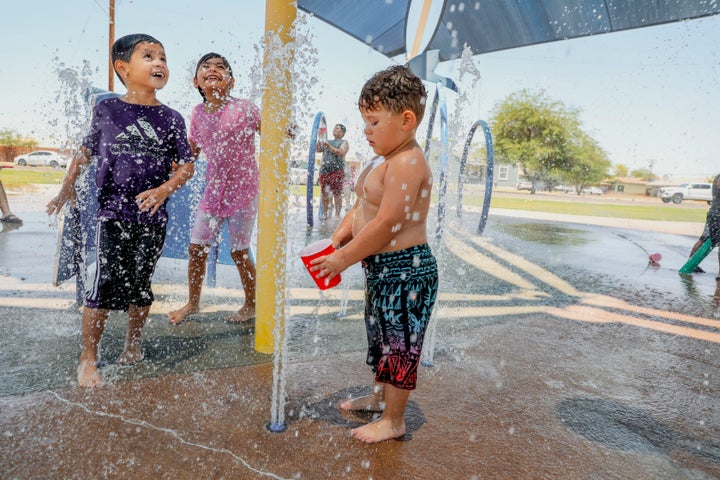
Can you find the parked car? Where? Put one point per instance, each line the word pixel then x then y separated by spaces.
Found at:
pixel 564 188
pixel 524 185
pixel 43 158
pixel 592 191
pixel 686 191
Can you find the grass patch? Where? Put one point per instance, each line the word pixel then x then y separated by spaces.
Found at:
pixel 659 212
pixel 20 177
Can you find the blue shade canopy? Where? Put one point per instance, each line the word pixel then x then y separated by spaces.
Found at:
pixel 491 25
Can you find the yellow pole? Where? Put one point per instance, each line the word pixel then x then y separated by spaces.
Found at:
pixel 274 152
pixel 111 38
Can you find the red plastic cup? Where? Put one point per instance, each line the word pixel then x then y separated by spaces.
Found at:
pixel 316 250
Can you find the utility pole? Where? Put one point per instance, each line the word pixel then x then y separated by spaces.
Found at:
pixel 111 70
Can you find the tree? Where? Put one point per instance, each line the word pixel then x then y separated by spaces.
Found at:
pixel 10 138
pixel 621 170
pixel 532 129
pixel 645 173
pixel 12 144
pixel 588 162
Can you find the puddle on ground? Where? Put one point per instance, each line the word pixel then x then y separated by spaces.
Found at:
pixel 545 233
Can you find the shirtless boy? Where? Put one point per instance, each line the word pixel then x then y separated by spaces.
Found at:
pixel 386 230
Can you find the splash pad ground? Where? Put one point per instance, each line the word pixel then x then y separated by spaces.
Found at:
pixel 537 373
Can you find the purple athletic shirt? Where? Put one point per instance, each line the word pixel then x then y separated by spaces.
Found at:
pixel 135 146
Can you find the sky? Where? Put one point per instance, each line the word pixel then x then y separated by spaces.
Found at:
pixel 648 96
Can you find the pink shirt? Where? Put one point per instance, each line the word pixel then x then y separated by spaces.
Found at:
pixel 227 137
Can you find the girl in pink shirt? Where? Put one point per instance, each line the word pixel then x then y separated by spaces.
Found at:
pixel 224 128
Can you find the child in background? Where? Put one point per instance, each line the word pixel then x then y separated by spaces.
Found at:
pixel 224 128
pixel 712 224
pixel 386 230
pixel 332 171
pixel 143 156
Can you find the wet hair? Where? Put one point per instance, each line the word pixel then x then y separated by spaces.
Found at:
pixel 124 47
pixel 397 89
pixel 342 127
pixel 204 59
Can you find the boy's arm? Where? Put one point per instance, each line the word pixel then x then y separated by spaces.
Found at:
pixel 341 151
pixel 401 186
pixel 67 190
pixel 194 149
pixel 152 199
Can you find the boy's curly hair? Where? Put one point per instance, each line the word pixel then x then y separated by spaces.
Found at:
pixel 397 89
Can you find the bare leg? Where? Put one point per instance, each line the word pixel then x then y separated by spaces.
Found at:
pixel 392 422
pixel 338 203
pixel 325 198
pixel 4 204
pixel 93 325
pixel 196 276
pixel 370 403
pixel 136 322
pixel 246 269
pixel 695 247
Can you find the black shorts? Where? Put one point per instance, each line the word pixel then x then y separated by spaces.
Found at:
pixel 400 292
pixel 126 255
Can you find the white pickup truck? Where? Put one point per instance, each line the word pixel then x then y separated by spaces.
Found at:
pixel 686 191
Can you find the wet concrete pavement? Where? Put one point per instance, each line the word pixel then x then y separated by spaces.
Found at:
pixel 558 353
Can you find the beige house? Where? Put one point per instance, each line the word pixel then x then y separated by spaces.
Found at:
pixel 629 185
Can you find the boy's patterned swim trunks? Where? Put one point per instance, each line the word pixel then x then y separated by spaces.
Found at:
pixel 400 292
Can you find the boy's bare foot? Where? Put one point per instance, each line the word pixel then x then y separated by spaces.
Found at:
pixel 369 403
pixel 180 315
pixel 132 354
pixel 378 431
pixel 241 316
pixel 87 373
